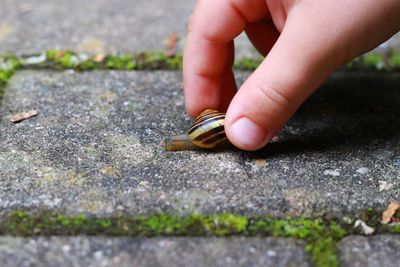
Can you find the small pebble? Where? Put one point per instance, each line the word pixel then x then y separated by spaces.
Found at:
pixel 365 229
pixel 362 170
pixel 383 185
pixel 271 253
pixel 397 162
pixel 332 172
pixel 260 162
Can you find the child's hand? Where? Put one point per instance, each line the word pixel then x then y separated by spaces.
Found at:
pixel 305 41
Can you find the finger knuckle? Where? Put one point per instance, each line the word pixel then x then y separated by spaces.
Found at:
pixel 277 99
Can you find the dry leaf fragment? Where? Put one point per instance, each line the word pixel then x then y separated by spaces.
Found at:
pixel 99 58
pixel 172 40
pixel 388 214
pixel 171 44
pixel 23 116
pixel 260 162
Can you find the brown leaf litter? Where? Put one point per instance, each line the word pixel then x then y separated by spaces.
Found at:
pixel 23 116
pixel 171 44
pixel 389 214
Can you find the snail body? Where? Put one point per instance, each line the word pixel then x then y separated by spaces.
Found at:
pixel 207 131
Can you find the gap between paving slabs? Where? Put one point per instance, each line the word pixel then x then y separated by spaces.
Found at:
pixel 153 60
pixel 321 234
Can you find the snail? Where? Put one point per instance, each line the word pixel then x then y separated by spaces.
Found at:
pixel 207 131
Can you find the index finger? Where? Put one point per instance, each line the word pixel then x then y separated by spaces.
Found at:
pixel 214 24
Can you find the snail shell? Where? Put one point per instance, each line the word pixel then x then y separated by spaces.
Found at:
pixel 207 131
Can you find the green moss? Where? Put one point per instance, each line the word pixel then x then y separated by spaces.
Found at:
pixel 323 248
pixel 153 60
pixel 392 228
pixel 374 61
pixel 323 251
pixel 394 59
pixel 65 59
pixel 248 63
pixel 24 223
pixel 372 216
pixel 120 62
pixel 158 60
pixel 224 224
pixel 2 89
pixel 397 215
pixel 321 237
pixel 367 62
pixel 5 75
pixel 8 65
pixel 59 59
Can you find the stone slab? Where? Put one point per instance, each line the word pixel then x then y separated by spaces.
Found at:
pixel 168 252
pixel 100 26
pixel 96 26
pixel 96 147
pixel 374 251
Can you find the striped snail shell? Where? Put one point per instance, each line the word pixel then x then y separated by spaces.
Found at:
pixel 207 131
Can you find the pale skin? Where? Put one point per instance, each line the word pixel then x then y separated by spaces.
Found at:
pixel 305 41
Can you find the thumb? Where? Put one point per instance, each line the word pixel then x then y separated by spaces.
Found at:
pixel 301 59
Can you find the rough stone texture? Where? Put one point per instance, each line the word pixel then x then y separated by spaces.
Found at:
pixel 102 251
pixel 98 26
pixel 374 251
pixel 393 42
pixel 96 147
pixel 95 26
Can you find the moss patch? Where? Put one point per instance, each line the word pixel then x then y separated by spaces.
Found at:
pixel 247 63
pixel 158 60
pixel 394 229
pixel 58 59
pixel 8 65
pixel 45 223
pixel 152 60
pixel 376 62
pixel 321 236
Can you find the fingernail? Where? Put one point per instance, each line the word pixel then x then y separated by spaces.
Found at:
pixel 248 134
